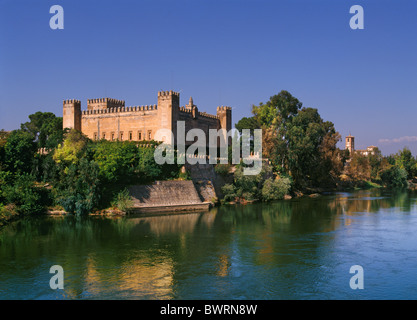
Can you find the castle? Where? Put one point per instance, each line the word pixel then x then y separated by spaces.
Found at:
pixel 350 145
pixel 109 119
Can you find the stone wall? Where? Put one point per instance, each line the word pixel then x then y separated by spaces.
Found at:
pixel 164 196
pixel 130 123
pixel 206 181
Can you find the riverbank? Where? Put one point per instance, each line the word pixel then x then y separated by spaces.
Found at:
pixel 345 186
pixel 9 214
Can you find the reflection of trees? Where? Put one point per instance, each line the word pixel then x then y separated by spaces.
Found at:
pixel 371 201
pixel 153 257
pixel 173 224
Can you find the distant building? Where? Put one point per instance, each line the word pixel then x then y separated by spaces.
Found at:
pixel 350 145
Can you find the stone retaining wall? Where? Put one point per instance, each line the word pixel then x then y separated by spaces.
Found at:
pixel 163 196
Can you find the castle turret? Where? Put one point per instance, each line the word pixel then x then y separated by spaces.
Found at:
pixel 190 103
pixel 72 114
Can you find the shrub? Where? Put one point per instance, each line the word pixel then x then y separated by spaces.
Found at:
pixel 7 213
pixel 123 200
pixel 222 169
pixel 275 189
pixel 245 184
pixel 228 191
pixel 394 177
pixel 28 198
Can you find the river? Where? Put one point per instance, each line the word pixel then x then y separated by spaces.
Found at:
pixel 294 249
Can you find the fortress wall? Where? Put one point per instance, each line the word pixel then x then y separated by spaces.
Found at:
pixel 203 123
pixel 120 124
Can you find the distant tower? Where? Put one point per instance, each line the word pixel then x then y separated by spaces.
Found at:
pixel 350 144
pixel 190 103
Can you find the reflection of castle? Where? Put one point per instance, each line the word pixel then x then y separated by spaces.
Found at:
pixel 350 145
pixel 109 119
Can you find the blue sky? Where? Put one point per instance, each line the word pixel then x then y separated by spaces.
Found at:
pixel 224 52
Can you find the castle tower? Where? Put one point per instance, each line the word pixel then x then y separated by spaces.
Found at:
pixel 168 110
pixel 225 116
pixel 350 144
pixel 104 103
pixel 72 114
pixel 225 119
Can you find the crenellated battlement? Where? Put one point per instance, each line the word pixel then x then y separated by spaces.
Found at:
pixel 106 100
pixel 185 109
pixel 72 101
pixel 207 115
pixel 168 93
pixel 224 108
pixel 200 114
pixel 121 109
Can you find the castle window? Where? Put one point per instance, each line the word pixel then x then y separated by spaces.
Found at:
pixel 121 136
pixel 139 135
pixel 95 136
pixel 112 136
pixel 104 135
pixel 149 135
pixel 130 135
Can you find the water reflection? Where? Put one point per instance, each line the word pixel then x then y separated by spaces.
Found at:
pixel 173 224
pixel 287 249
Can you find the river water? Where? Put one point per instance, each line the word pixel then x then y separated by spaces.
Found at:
pixel 295 249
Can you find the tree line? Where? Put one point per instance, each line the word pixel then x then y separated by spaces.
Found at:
pixel 76 174
pixel 81 175
pixel 302 150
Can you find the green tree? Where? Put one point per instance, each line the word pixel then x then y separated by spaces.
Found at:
pixel 73 148
pixel 45 128
pixel 298 141
pixel 394 177
pixel 275 118
pixel 117 160
pixel 3 140
pixel 78 189
pixel 359 167
pixel 247 123
pixel 405 160
pixel 148 169
pixel 19 151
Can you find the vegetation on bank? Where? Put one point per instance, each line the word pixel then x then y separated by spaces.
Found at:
pixel 265 186
pixel 72 173
pixel 301 145
pixel 43 166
